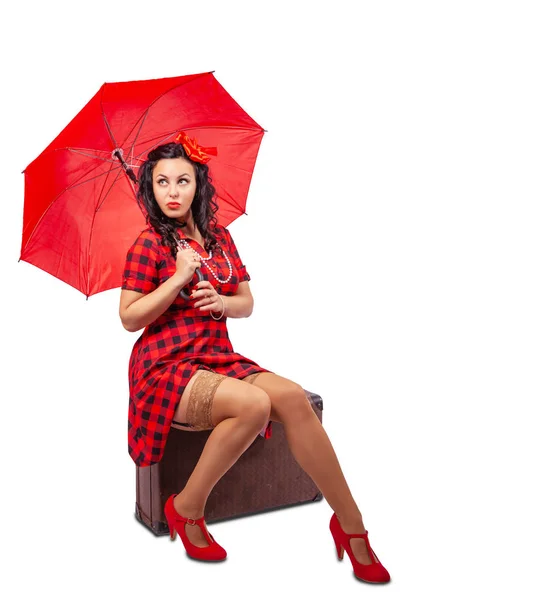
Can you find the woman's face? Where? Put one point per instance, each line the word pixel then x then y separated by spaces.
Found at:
pixel 174 182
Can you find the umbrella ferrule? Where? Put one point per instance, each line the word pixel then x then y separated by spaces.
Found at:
pixel 118 153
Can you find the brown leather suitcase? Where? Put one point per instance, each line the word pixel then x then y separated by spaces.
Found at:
pixel 265 477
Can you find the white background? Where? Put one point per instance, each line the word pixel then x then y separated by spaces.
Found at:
pixel 399 240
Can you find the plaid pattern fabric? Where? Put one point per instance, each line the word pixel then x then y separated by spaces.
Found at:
pixel 180 341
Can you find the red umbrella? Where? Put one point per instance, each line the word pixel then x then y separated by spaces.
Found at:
pixel 80 213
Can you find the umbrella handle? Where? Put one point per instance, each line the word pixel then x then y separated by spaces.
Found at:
pixel 201 277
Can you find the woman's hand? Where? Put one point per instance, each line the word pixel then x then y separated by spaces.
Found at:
pixel 206 297
pixel 186 263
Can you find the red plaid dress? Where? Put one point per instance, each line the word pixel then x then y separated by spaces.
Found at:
pixel 179 342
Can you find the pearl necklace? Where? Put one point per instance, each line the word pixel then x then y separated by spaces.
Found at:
pixel 205 262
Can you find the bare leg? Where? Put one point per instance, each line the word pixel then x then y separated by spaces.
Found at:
pixel 231 436
pixel 313 451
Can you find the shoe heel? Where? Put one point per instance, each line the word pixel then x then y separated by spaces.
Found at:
pixel 375 572
pixel 340 550
pixel 212 552
pixel 171 525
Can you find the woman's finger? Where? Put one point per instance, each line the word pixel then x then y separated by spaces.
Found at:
pixel 209 306
pixel 209 299
pixel 202 301
pixel 205 286
pixel 204 293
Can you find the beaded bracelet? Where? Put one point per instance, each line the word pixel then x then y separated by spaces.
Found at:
pixel 222 312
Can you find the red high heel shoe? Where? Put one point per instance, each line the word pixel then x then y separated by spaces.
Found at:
pixel 177 524
pixel 373 573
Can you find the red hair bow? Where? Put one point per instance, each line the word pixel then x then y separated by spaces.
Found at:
pixel 193 149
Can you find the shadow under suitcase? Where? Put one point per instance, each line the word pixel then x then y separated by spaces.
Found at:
pixel 265 477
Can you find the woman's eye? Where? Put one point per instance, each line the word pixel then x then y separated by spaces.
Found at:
pixel 165 180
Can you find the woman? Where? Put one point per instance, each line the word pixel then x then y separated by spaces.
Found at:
pixel 183 371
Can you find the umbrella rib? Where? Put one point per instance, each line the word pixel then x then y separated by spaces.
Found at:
pixel 163 94
pixel 109 190
pixel 200 127
pixel 73 185
pixel 157 143
pixel 110 131
pixel 132 147
pixel 228 198
pixel 235 167
pixel 143 117
pixel 105 118
pixel 82 152
pixel 111 160
pixel 242 128
pixel 87 270
pixel 76 184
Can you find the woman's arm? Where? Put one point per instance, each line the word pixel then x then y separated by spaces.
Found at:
pixel 241 304
pixel 138 310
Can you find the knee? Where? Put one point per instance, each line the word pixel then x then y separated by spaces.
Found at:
pixel 292 403
pixel 256 406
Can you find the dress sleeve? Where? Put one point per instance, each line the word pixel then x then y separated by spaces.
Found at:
pixel 141 270
pixel 242 273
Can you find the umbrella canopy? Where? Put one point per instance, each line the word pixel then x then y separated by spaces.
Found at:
pixel 80 212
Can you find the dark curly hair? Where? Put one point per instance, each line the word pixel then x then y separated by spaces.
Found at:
pixel 203 206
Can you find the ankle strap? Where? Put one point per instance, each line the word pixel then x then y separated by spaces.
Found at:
pixel 356 535
pixel 190 521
